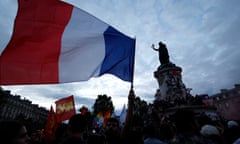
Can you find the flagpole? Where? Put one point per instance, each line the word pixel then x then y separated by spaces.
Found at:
pixel 131 97
pixel 133 64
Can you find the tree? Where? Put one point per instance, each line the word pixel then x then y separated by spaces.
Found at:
pixel 102 104
pixel 140 107
pixel 140 110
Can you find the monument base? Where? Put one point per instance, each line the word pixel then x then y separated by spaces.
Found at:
pixel 170 83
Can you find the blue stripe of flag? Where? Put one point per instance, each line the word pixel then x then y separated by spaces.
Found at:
pixel 119 57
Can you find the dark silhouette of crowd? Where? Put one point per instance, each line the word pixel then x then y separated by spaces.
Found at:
pixel 182 127
pixel 13 132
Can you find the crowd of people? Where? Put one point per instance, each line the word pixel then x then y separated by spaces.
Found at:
pixel 183 127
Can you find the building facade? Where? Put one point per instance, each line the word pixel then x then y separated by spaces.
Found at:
pixel 13 106
pixel 227 103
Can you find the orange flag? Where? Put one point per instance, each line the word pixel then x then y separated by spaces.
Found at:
pixel 107 115
pixel 51 125
pixel 65 108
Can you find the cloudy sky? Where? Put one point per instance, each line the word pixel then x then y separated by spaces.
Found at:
pixel 202 37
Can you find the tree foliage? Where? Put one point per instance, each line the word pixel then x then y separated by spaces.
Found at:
pixel 102 104
pixel 140 110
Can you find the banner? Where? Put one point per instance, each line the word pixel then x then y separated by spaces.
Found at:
pixel 65 108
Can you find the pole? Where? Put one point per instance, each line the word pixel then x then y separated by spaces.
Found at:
pixel 133 64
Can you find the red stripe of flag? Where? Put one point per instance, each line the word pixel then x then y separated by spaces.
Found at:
pixel 33 52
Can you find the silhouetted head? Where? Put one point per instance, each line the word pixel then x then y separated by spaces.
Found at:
pixel 161 44
pixel 209 130
pixel 13 132
pixel 184 121
pixel 232 123
pixel 112 123
pixel 96 139
pixel 112 131
pixel 77 123
pixel 150 131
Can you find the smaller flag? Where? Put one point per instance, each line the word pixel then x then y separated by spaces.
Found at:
pixel 99 116
pixel 98 120
pixel 107 115
pixel 65 108
pixel 51 125
pixel 123 114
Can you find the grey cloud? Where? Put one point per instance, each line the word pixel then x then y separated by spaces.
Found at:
pixel 7 17
pixel 84 101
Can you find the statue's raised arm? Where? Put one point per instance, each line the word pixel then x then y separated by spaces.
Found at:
pixel 163 53
pixel 153 47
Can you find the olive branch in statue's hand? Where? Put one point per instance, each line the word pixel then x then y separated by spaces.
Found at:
pixel 153 47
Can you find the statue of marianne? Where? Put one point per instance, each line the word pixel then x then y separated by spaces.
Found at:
pixel 163 53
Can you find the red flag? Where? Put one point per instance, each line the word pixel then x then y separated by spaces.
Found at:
pixel 65 108
pixel 51 125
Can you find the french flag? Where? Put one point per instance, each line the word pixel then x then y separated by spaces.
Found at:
pixel 55 42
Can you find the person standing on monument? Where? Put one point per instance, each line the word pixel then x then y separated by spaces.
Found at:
pixel 163 53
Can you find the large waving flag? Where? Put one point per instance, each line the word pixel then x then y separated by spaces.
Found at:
pixel 55 42
pixel 65 108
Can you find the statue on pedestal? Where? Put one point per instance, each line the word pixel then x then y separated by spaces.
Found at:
pixel 163 53
pixel 169 77
pixel 172 94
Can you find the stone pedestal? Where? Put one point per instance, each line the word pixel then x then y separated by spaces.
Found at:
pixel 170 83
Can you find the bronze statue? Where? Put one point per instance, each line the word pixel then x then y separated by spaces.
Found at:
pixel 163 53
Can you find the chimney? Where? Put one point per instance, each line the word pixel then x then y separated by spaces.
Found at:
pixel 237 86
pixel 223 90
